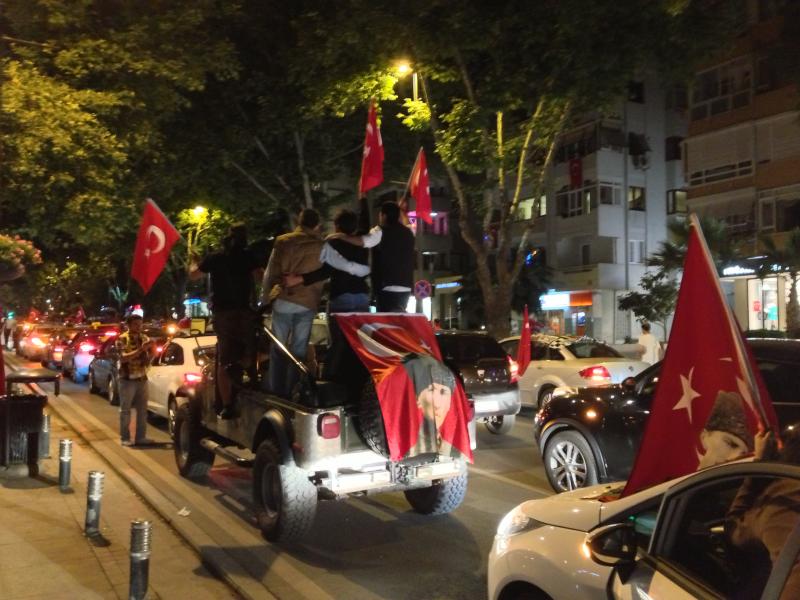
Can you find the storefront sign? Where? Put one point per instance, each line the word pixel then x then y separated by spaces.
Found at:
pixel 554 300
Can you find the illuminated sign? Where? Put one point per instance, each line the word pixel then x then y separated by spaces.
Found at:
pixel 554 300
pixel 736 270
pixel 448 285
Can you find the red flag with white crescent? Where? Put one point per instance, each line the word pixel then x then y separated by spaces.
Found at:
pixel 420 188
pixel 372 160
pixel 710 399
pixel 153 244
pixel 524 348
pixel 423 404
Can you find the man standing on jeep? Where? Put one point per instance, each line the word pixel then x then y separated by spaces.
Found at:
pixel 293 308
pixel 233 273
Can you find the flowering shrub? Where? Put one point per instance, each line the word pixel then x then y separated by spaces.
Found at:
pixel 16 253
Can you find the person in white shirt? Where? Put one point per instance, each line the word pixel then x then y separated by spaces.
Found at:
pixel 651 345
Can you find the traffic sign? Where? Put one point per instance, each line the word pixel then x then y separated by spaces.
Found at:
pixel 423 289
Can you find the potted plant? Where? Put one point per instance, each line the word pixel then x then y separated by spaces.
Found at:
pixel 15 255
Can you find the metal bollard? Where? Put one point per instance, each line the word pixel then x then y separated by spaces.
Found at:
pixel 94 494
pixel 140 559
pixel 64 464
pixel 44 437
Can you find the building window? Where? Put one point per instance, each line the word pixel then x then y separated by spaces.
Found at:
pixel 610 194
pixel 586 254
pixel 762 303
pixel 723 88
pixel 636 92
pixel 676 201
pixel 636 252
pixel 636 198
pixel 672 148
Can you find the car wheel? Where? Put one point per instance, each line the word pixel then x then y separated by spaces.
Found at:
pixel 285 499
pixel 569 462
pixel 545 393
pixel 93 389
pixel 500 424
pixel 112 391
pixel 172 408
pixel 193 460
pixel 444 496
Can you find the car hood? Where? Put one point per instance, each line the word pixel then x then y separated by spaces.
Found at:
pixel 578 509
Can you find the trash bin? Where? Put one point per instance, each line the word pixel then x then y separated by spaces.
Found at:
pixel 21 418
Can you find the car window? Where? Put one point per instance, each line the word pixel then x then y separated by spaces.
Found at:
pixel 172 355
pixel 553 353
pixel 590 349
pixel 510 347
pixel 538 351
pixel 204 355
pixel 469 348
pixel 726 536
pixel 782 380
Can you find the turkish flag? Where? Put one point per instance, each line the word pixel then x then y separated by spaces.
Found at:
pixel 372 160
pixel 710 399
pixel 420 188
pixel 153 243
pixel 423 404
pixel 524 348
pixel 575 173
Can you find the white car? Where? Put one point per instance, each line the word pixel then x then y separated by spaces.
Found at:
pixel 179 364
pixel 677 540
pixel 558 361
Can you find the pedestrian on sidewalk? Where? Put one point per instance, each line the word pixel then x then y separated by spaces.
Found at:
pixel 652 347
pixel 134 350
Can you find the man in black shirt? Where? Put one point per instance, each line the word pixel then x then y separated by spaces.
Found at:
pixel 232 296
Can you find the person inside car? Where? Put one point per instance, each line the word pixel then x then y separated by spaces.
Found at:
pixel 725 436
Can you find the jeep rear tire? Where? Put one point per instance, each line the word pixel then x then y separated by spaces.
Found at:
pixel 285 500
pixel 192 459
pixel 444 496
pixel 370 420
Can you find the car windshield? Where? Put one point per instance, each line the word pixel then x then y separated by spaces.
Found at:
pixel 469 348
pixel 590 349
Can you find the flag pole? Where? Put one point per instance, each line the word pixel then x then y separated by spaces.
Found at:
pixel 743 359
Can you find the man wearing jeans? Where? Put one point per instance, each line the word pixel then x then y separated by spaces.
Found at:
pixel 293 309
pixel 134 355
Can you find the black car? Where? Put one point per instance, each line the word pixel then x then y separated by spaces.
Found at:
pixel 591 435
pixel 489 376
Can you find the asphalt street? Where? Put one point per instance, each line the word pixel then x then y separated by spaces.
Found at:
pixel 367 547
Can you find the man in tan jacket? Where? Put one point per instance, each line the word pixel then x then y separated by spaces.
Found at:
pixel 293 309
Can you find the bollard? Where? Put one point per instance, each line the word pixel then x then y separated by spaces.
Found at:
pixel 64 464
pixel 94 494
pixel 140 559
pixel 44 437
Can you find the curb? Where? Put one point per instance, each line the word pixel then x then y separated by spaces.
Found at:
pixel 192 534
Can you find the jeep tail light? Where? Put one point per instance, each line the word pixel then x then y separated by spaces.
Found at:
pixel 329 426
pixel 513 369
pixel 37 341
pixel 192 378
pixel 598 373
pixel 87 347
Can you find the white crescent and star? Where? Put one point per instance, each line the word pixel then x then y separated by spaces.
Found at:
pixel 688 394
pixel 161 240
pixel 366 333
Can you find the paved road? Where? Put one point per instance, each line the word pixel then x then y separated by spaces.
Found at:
pixel 373 547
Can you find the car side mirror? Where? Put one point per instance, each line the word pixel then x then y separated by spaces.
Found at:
pixel 629 383
pixel 612 545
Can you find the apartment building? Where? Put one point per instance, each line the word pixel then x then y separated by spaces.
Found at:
pixel 615 180
pixel 742 156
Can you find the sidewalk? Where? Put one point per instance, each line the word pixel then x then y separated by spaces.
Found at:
pixel 44 554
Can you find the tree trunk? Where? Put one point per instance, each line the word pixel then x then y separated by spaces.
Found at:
pixel 301 165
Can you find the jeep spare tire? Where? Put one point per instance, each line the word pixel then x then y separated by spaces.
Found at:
pixel 444 496
pixel 370 420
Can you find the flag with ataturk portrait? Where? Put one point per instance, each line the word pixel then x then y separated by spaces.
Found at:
pixel 710 399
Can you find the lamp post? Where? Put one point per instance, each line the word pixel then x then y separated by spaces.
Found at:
pixel 403 69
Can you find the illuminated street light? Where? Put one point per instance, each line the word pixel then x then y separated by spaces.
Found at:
pixel 403 68
pixel 199 211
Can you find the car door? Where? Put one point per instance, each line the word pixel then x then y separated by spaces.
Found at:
pixel 782 379
pixel 530 381
pixel 166 367
pixel 723 533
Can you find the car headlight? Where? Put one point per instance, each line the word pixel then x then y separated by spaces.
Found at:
pixel 516 522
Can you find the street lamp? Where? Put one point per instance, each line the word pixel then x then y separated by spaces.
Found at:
pixel 199 212
pixel 403 68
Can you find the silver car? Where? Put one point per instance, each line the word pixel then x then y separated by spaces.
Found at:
pixel 558 361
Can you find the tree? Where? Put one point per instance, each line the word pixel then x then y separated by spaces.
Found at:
pixel 655 303
pixel 672 252
pixel 499 82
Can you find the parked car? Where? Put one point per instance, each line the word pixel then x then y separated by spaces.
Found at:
pixel 81 349
pixel 590 435
pixel 667 541
pixel 489 376
pixel 103 372
pixel 56 344
pixel 33 345
pixel 180 364
pixel 568 361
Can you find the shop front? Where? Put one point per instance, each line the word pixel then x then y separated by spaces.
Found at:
pixel 567 313
pixel 758 303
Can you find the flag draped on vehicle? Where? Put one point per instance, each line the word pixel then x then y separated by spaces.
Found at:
pixel 153 244
pixel 710 398
pixel 524 348
pixel 419 186
pixel 423 404
pixel 372 160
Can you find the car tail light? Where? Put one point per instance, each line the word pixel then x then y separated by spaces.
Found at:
pixel 112 333
pixel 58 349
pixel 87 347
pixel 192 378
pixel 37 341
pixel 513 369
pixel 159 349
pixel 597 373
pixel 329 426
